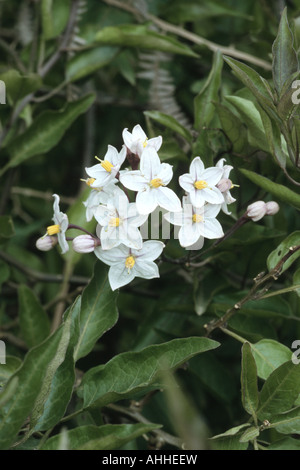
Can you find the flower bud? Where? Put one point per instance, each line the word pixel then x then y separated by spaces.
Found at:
pixel 257 210
pixel 46 243
pixel 84 244
pixel 224 185
pixel 272 208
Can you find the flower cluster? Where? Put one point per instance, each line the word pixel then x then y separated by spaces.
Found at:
pixel 118 241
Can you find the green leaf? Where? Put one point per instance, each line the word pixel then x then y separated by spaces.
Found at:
pixel 269 355
pixel 255 83
pixel 204 108
pixel 296 281
pixel 30 378
pixel 170 122
pixel 34 322
pixel 54 15
pixel 250 434
pixel 9 368
pixel 285 444
pixel 58 384
pixel 234 129
pixel 287 423
pixel 280 390
pixel 283 248
pixel 141 37
pixel 89 61
pixel 274 138
pixel 98 311
pixel 251 117
pixel 107 437
pixel 278 190
pixel 138 372
pixel 232 431
pixel 285 60
pixel 249 381
pixel 45 132
pixel 18 86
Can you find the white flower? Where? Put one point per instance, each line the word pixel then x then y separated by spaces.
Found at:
pixel 119 220
pixel 61 223
pixel 137 141
pixel 225 184
pixel 105 171
pixel 200 184
pixel 150 182
pixel 126 263
pixel 98 196
pixel 196 222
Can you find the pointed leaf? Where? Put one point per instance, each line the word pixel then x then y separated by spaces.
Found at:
pixel 98 311
pixel 170 122
pixel 280 391
pixel 107 437
pixel 138 372
pixel 34 322
pixel 204 108
pixel 285 61
pixel 269 354
pixel 278 190
pixel 45 132
pixel 141 37
pixel 283 248
pixel 249 381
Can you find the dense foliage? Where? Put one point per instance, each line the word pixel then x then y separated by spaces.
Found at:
pixel 206 355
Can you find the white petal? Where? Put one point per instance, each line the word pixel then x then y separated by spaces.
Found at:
pixel 150 251
pixel 212 175
pixel 138 133
pixel 167 199
pixel 109 237
pixel 113 256
pixel 212 195
pixel 212 229
pixel 196 169
pixel 155 142
pixel 146 201
pixel 196 246
pixel 130 236
pixel 146 269
pixel 150 163
pixel 134 217
pixel 189 234
pixel 102 215
pixel 165 173
pixel 197 197
pixel 186 182
pixel 63 242
pixel 211 210
pixel 133 180
pixel 119 275
pixel 175 218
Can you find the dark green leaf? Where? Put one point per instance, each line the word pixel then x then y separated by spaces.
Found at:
pixel 89 61
pixel 204 108
pixel 285 61
pixel 170 122
pixel 283 248
pixel 249 381
pixel 107 437
pixel 278 190
pixel 18 86
pixel 141 37
pixel 138 372
pixel 280 390
pixel 45 132
pixel 98 311
pixel 34 322
pixel 287 423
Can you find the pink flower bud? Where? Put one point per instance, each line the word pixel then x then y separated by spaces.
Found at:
pixel 46 243
pixel 272 208
pixel 224 185
pixel 84 244
pixel 257 210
